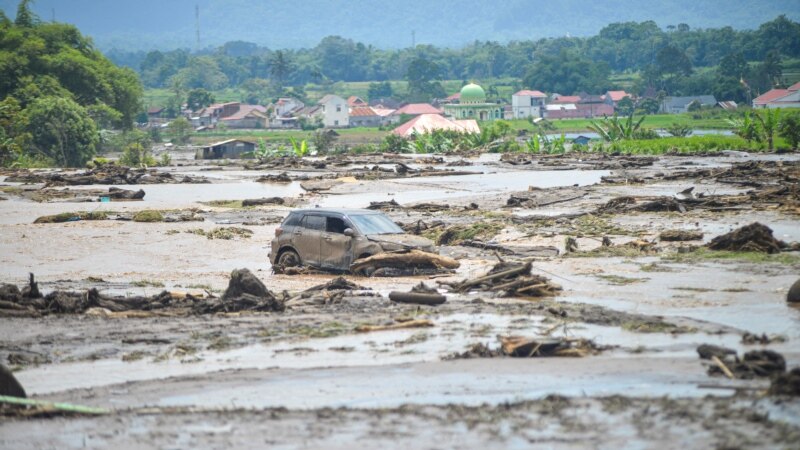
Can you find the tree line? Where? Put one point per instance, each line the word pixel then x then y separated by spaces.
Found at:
pixel 57 91
pixel 675 60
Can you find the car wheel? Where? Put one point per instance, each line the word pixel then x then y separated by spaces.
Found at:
pixel 288 258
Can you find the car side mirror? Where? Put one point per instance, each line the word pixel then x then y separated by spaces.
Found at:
pixel 349 232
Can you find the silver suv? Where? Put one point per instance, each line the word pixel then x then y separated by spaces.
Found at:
pixel 333 238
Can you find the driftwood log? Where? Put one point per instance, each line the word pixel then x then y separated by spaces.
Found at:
pixel 404 259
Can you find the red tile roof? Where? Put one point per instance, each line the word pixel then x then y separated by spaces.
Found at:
pixel 456 96
pixel 529 93
pixel 794 87
pixel 245 110
pixel 355 101
pixel 568 99
pixel 618 95
pixel 416 109
pixel 362 111
pixel 770 96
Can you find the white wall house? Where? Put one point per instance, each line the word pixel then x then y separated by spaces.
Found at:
pixel 335 112
pixel 526 104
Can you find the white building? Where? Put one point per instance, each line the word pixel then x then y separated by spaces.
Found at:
pixel 526 104
pixel 334 111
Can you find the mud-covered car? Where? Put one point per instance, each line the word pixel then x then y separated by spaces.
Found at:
pixel 332 239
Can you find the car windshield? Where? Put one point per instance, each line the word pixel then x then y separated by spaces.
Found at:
pixel 375 224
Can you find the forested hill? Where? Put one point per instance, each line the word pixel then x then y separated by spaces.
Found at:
pixel 159 24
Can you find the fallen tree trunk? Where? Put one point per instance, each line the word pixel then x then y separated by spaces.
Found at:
pixel 412 258
pixel 417 298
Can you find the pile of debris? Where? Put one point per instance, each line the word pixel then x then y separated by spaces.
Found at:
pixel 509 279
pixel 245 293
pixel 754 364
pixel 523 347
pixel 280 178
pixel 750 238
pixel 331 292
pixel 103 174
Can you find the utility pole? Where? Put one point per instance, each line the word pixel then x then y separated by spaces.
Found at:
pixel 53 13
pixel 413 39
pixel 197 24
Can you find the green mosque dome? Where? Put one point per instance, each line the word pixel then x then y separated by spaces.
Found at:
pixel 472 93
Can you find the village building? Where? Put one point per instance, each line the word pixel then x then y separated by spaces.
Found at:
pixel 413 109
pixel 472 105
pixel 427 123
pixel 779 98
pixel 232 148
pixel 678 105
pixel 233 114
pixel 334 111
pixel 364 116
pixel 527 103
pixel 613 97
pixel 356 101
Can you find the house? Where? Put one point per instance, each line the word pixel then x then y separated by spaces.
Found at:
pixel 248 116
pixel 527 103
pixel 677 105
pixel 386 103
pixel 561 111
pixel 779 98
pixel 590 106
pixel 613 97
pixel 426 123
pixel 472 104
pixel 334 111
pixel 286 105
pixel 355 101
pixel 232 148
pixel 364 116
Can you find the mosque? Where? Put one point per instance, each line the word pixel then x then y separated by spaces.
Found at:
pixel 472 105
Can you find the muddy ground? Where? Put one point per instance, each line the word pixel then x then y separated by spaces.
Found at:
pixel 306 377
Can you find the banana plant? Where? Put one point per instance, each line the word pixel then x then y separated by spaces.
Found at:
pixel 300 149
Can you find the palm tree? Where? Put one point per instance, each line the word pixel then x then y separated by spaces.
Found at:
pixel 280 66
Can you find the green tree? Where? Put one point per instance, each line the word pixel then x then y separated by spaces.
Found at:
pixel 25 17
pixel 199 98
pixel 624 106
pixel 789 129
pixel 379 90
pixel 567 73
pixel 181 130
pixel 280 68
pixel 13 135
pixel 768 125
pixel 62 131
pixel 649 106
pixel 423 80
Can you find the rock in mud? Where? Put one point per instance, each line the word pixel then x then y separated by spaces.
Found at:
pixel 794 293
pixel 245 293
pixel 754 364
pixel 263 201
pixel 706 351
pixel 750 238
pixel 786 383
pixel 116 193
pixel 9 385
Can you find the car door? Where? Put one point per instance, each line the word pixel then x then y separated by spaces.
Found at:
pixel 307 238
pixel 336 249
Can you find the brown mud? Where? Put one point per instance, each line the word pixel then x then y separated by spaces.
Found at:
pixel 185 354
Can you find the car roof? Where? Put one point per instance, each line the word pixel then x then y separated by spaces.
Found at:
pixel 344 211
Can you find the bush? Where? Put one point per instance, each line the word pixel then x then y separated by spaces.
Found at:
pixel 148 215
pixel 691 144
pixel 135 155
pixel 393 143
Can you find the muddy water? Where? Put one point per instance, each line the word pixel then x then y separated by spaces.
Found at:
pixel 444 188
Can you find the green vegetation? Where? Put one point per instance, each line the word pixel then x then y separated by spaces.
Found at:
pixel 73 217
pixel 148 215
pixel 225 233
pixel 655 326
pixel 57 90
pixel 147 283
pixel 703 254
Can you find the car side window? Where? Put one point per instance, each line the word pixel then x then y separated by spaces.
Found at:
pixel 335 225
pixel 292 221
pixel 314 223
